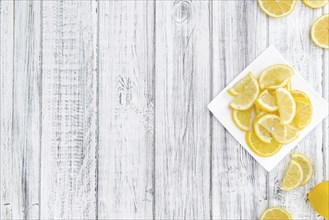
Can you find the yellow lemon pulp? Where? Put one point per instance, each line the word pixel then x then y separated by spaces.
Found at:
pixel 246 99
pixel 261 148
pixel 242 119
pixel 292 177
pixel 272 124
pixel 320 31
pixel 276 213
pixel 286 104
pixel 315 3
pixel 277 8
pixel 275 76
pixel 267 102
pixel 238 87
pixel 304 113
pixel 306 165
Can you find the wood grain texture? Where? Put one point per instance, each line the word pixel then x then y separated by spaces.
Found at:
pixel 126 110
pixel 9 207
pixel 69 110
pixel 294 43
pixel 239 36
pixel 182 132
pixel 20 133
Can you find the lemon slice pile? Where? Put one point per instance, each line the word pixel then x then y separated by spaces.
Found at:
pixel 298 173
pixel 269 110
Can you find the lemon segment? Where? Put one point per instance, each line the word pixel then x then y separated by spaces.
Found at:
pixel 287 105
pixel 275 76
pixel 306 165
pixel 288 86
pixel 292 177
pixel 261 148
pixel 246 99
pixel 319 199
pixel 304 113
pixel 320 31
pixel 242 119
pixel 271 123
pixel 267 102
pixel 315 3
pixel 261 132
pixel 238 87
pixel 277 8
pixel 276 213
pixel 291 135
pixel 300 94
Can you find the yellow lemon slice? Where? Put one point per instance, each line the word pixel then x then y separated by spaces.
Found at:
pixel 300 94
pixel 293 176
pixel 272 124
pixel 238 87
pixel 242 119
pixel 246 99
pixel 291 135
pixel 320 31
pixel 276 213
pixel 277 8
pixel 275 76
pixel 287 105
pixel 267 102
pixel 261 148
pixel 306 165
pixel 261 132
pixel 304 113
pixel 315 3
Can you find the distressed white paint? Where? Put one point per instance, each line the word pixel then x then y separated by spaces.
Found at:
pixel 69 120
pixel 126 103
pixel 103 109
pixel 182 123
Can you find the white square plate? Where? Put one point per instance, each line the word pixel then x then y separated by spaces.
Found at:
pixel 221 110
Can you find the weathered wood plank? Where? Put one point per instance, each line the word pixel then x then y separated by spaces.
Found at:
pixel 238 181
pixel 290 36
pixel 126 110
pixel 182 132
pixel 9 208
pixel 20 133
pixel 69 110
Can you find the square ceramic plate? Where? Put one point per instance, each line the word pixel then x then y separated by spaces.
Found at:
pixel 221 110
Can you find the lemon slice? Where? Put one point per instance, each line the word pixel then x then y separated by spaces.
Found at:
pixel 272 124
pixel 300 94
pixel 306 165
pixel 315 3
pixel 320 31
pixel 277 8
pixel 276 213
pixel 261 148
pixel 242 119
pixel 246 98
pixel 261 132
pixel 293 176
pixel 291 135
pixel 275 76
pixel 304 113
pixel 238 87
pixel 287 105
pixel 267 102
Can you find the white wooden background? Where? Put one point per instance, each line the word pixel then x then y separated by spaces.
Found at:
pixel 103 109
